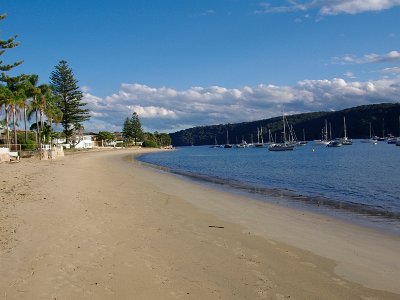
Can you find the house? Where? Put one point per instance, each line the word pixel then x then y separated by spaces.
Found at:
pixel 85 142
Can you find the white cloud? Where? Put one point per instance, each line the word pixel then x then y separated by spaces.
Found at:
pixel 208 12
pixel 85 89
pixel 393 70
pixel 328 7
pixel 167 109
pixel 356 6
pixel 349 74
pixel 392 56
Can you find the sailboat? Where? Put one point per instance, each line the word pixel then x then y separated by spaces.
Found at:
pixel 392 139
pixel 324 140
pixel 303 142
pixel 259 144
pixel 227 145
pixel 382 139
pixel 216 143
pixel 345 140
pixel 270 138
pixel 284 146
pixel 371 140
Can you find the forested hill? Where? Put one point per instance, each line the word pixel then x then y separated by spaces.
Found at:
pixel 384 119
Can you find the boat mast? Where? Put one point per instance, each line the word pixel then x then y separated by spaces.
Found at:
pixel 330 130
pixel 344 122
pixel 284 128
pixel 370 130
pixel 261 133
pixel 326 130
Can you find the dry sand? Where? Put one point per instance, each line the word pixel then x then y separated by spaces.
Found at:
pixel 100 226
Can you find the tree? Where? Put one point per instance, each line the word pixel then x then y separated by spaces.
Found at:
pixel 4 45
pixel 65 86
pixel 6 95
pixel 127 130
pixel 106 136
pixel 137 131
pixel 5 98
pixel 15 99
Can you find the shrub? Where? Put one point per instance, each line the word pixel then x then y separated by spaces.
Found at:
pixel 150 144
pixel 29 145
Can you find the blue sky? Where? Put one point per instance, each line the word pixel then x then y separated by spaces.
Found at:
pixel 185 63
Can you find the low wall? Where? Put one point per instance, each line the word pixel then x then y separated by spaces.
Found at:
pixel 4 157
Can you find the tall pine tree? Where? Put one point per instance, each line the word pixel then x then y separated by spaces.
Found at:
pixel 65 86
pixel 4 45
pixel 137 131
pixel 132 129
pixel 127 130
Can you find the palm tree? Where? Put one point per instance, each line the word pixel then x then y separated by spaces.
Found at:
pixel 31 91
pixel 38 105
pixel 17 100
pixel 34 109
pixel 45 92
pixel 52 110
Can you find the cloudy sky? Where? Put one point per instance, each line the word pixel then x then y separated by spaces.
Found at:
pixel 185 63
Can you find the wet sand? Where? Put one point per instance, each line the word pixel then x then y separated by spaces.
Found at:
pixel 101 226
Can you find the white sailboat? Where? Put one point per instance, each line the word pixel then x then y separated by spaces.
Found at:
pixel 303 142
pixel 285 145
pixel 371 140
pixel 345 140
pixel 259 133
pixel 227 145
pixel 324 140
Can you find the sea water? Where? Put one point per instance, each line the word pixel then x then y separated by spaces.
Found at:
pixel 361 179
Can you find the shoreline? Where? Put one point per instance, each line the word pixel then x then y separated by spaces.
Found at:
pixel 126 230
pixel 302 216
pixel 355 213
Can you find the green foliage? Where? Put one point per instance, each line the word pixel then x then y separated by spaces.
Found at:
pixel 127 130
pixel 5 45
pixel 29 145
pixel 132 129
pixel 156 139
pixel 65 86
pixel 384 117
pixel 150 144
pixel 106 136
pixel 137 131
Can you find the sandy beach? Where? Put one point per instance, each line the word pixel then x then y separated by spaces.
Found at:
pixel 100 225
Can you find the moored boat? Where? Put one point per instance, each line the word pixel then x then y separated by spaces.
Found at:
pixel 227 145
pixel 284 146
pixel 335 143
pixel 345 141
pixel 371 140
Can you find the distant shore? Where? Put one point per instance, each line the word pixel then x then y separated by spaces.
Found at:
pixel 101 225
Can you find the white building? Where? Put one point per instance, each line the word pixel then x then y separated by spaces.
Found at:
pixel 86 142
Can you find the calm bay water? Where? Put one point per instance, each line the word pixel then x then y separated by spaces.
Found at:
pixel 362 178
